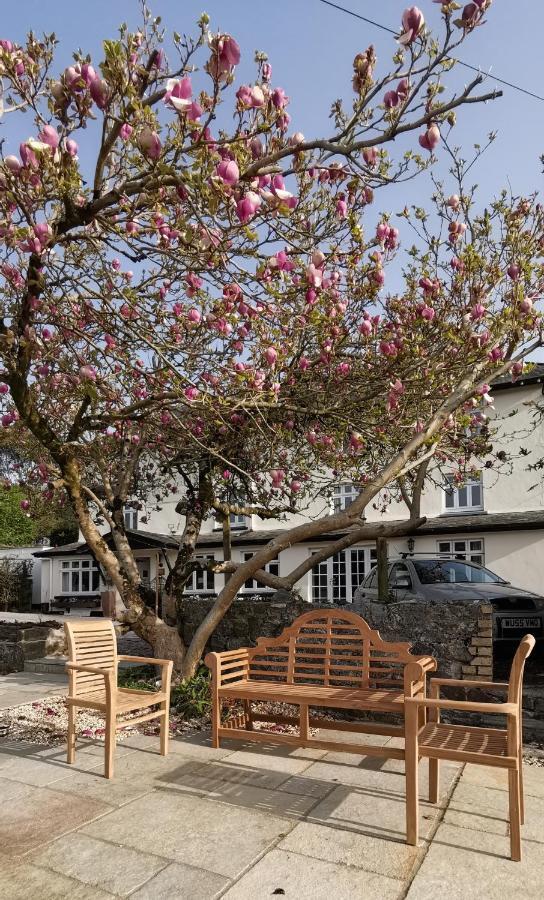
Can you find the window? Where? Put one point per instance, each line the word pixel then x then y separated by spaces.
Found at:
pixel 471 551
pixel 272 567
pixel 344 495
pixel 454 571
pixel 237 523
pixel 202 581
pixel 131 517
pixel 467 497
pixel 80 576
pixel 336 579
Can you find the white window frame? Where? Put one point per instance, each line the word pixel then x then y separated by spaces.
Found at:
pixel 208 578
pixel 464 549
pixel 130 517
pixel 346 563
pixel 71 566
pixel 343 495
pixel 237 523
pixel 453 492
pixel 251 585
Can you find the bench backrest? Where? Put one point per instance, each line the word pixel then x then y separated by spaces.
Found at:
pixel 330 648
pixel 91 642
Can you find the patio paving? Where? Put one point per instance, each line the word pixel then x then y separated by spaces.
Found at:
pixel 253 821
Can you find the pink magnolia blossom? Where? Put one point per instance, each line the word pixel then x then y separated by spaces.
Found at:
pixel 194 283
pixel 279 98
pixel 29 158
pixel 178 93
pixel 125 131
pixel 25 504
pixel 50 136
pixel 225 55
pixel 88 373
pixel 191 393
pixel 478 311
pixel 278 477
pixel 295 486
pixel 413 21
pixel 513 271
pixel 314 275
pixel 456 231
pixel 453 202
pixel 194 315
pixel 228 171
pixel 71 147
pixel 430 139
pixel 365 327
pixel 526 305
pixel 341 208
pixel 248 206
pixel 427 312
pixel 517 369
pixel 370 156
pixel 100 92
pixel 13 164
pixel 150 143
pixel 271 355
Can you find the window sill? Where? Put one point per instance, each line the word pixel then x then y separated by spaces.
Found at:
pixel 470 511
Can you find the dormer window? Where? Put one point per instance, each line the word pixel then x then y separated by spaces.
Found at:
pixel 343 495
pixel 467 497
pixel 130 514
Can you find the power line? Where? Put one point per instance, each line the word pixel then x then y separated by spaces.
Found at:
pixel 351 12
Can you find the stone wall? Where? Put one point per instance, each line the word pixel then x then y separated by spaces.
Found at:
pixel 20 641
pixel 248 618
pixel 458 634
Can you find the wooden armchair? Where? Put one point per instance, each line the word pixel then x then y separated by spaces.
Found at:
pixel 436 740
pixel 92 684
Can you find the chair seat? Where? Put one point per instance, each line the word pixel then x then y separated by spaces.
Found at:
pixel 315 695
pixel 125 700
pixel 459 738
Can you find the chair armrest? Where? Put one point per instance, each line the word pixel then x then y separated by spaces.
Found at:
pixel 461 682
pixel 467 705
pixel 148 660
pixel 94 670
pixel 165 664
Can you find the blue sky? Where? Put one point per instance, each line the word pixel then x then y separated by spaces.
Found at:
pixel 311 48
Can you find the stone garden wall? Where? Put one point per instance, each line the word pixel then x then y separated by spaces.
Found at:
pixel 20 641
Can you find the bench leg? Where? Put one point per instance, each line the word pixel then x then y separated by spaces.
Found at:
pixel 411 769
pixel 216 719
pixel 110 743
pixel 304 722
pixel 71 744
pixel 247 715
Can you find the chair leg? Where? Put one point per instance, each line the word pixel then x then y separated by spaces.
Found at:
pixel 71 738
pixel 521 793
pixel 216 718
pixel 110 744
pixel 515 814
pixel 434 779
pixel 165 726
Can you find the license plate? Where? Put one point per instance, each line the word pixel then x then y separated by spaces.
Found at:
pixel 522 622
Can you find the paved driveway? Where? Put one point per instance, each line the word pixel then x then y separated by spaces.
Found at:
pixel 253 821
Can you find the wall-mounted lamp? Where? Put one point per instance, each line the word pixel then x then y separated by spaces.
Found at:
pixel 411 545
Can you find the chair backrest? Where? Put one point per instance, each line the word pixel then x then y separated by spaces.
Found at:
pixel 330 648
pixel 91 642
pixel 515 682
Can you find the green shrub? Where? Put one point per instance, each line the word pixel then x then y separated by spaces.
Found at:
pixel 138 678
pixel 192 697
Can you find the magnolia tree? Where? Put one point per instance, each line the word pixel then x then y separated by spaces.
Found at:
pixel 204 308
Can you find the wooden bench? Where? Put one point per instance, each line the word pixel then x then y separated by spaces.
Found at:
pixel 326 658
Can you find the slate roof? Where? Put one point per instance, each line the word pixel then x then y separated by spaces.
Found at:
pixel 447 524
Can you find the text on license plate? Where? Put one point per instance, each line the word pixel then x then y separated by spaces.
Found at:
pixel 522 622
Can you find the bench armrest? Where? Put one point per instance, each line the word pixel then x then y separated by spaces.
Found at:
pixel 428 663
pixel 228 667
pixel 466 705
pixel 165 664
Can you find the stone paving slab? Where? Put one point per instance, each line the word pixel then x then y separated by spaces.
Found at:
pixel 29 820
pixel 310 879
pixel 224 839
pixel 99 864
pixel 180 882
pixel 24 687
pixel 248 820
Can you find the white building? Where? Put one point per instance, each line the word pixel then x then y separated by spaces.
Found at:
pixel 497 520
